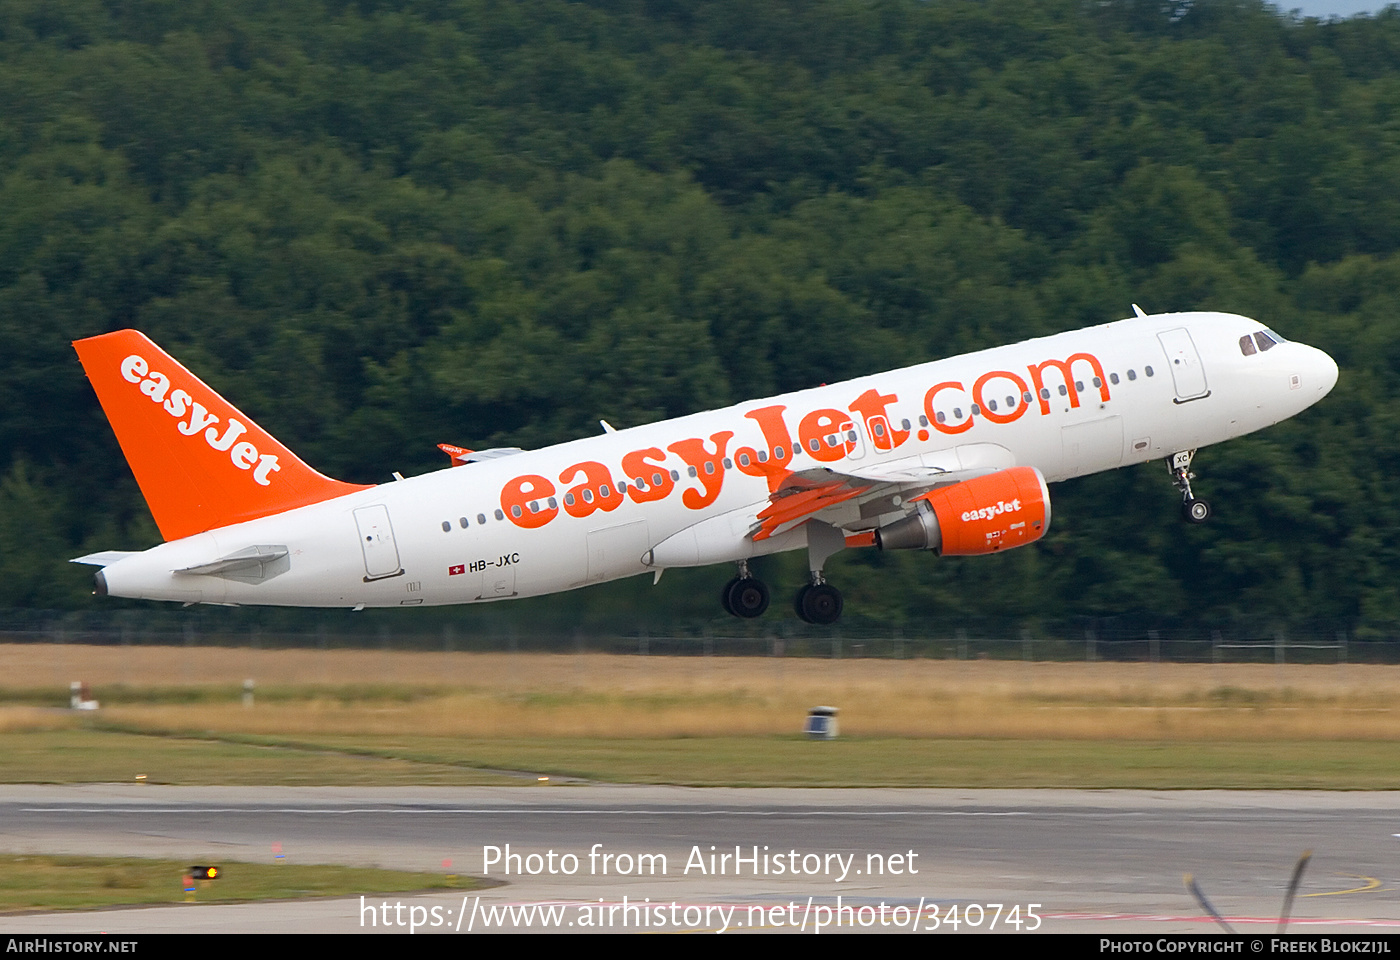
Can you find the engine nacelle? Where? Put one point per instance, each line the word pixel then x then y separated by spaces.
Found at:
pixel 988 514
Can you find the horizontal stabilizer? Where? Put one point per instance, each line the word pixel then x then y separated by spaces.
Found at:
pixel 249 565
pixel 104 559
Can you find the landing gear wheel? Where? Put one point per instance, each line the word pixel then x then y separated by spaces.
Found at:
pixel 1195 511
pixel 819 603
pixel 746 597
pixel 724 597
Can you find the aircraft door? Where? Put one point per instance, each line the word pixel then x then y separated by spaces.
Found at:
pixel 1093 446
pixel 377 542
pixel 1188 374
pixel 617 551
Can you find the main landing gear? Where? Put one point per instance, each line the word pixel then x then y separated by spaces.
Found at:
pixel 818 602
pixel 1179 466
pixel 744 596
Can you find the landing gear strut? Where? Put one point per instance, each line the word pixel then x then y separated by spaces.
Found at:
pixel 744 596
pixel 1179 466
pixel 819 602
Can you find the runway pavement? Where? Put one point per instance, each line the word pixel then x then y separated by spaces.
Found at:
pixel 667 858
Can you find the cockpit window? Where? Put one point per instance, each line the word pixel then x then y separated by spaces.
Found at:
pixel 1247 346
pixel 1266 340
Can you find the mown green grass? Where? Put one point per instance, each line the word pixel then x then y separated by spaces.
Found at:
pixel 74 883
pixel 77 756
pixel 102 756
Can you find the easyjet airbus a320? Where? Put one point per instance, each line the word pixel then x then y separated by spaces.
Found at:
pixel 951 456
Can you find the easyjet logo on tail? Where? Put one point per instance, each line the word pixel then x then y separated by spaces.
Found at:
pixel 201 463
pixel 178 403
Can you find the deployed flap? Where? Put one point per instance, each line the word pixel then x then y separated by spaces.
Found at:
pixel 804 495
pixel 801 496
pixel 201 463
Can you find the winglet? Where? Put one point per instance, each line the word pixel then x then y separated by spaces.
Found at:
pixel 200 462
pixel 460 456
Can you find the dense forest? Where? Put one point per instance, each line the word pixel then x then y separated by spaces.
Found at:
pixel 378 225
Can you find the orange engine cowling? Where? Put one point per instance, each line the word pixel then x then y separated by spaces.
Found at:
pixel 988 514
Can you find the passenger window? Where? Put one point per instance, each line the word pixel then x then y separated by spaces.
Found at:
pixel 463 522
pixel 447 526
pixel 991 405
pixel 1147 370
pixel 1132 375
pixel 481 518
pixel 941 417
pixel 923 421
pixel 1113 379
pixel 500 515
pixel 1045 393
pixel 1063 391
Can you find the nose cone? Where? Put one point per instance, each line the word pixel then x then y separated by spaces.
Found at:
pixel 1320 373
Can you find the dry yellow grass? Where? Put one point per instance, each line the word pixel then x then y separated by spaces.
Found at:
pixel 594 695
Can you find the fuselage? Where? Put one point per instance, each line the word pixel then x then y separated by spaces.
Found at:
pixel 620 503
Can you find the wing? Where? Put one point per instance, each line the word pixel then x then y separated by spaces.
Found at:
pixel 856 497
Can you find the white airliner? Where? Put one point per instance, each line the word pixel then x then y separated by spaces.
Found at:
pixel 951 456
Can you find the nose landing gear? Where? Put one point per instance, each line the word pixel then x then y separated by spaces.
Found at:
pixel 1179 466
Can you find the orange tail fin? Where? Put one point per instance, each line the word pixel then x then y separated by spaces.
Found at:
pixel 200 462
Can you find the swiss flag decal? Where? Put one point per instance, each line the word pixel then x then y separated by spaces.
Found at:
pixel 459 568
